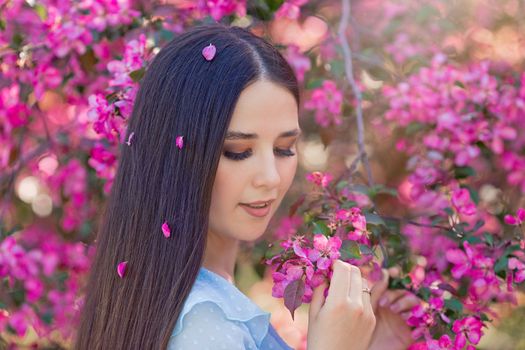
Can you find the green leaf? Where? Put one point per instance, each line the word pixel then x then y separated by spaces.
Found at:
pixel 473 240
pixel 366 249
pixel 341 184
pixel 314 83
pixel 462 172
pixel 321 228
pixel 381 189
pixel 399 283
pixel 112 97
pixel 138 74
pixel 350 250
pixel 484 317
pixel 47 318
pixel 337 68
pixel 413 128
pixel 489 239
pixel 449 211
pixel 374 219
pixel 501 264
pixel 460 84
pixel 477 226
pixel 425 293
pixel 454 304
pixel 41 11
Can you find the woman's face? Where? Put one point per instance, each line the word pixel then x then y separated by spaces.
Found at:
pixel 258 161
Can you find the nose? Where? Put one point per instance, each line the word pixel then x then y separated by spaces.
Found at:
pixel 267 174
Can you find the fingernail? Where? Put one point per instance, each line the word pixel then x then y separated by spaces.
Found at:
pixel 394 307
pixel 383 301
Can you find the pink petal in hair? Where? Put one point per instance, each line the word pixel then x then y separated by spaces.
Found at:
pixel 121 268
pixel 128 142
pixel 166 229
pixel 209 52
pixel 179 141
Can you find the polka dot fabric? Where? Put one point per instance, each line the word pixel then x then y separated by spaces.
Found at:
pixel 217 315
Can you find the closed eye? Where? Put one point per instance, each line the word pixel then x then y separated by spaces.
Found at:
pixel 241 156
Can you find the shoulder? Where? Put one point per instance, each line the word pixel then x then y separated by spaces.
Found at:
pixel 216 314
pixel 206 326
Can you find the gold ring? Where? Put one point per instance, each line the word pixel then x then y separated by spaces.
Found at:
pixel 367 290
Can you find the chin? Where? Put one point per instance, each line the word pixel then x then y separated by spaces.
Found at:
pixel 252 236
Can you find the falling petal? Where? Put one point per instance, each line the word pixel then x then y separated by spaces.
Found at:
pixel 121 268
pixel 209 52
pixel 166 229
pixel 128 142
pixel 179 142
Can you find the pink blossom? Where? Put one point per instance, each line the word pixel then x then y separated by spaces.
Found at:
pixel 209 52
pixel 220 8
pixel 327 102
pixel 319 178
pixel 288 227
pixel 467 329
pixel 516 220
pixel 166 229
pixel 325 251
pixel 462 202
pixel 179 141
pixel 121 268
pixel 465 261
pixel 517 268
pixel 299 62
pixel 290 9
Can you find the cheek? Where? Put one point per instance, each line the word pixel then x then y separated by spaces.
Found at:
pixel 226 188
pixel 287 173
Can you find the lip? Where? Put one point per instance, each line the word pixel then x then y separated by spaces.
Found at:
pixel 261 202
pixel 259 213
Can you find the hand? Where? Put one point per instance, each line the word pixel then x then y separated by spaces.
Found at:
pixel 345 317
pixel 391 308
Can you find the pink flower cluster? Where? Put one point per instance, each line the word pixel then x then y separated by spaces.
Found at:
pixel 299 62
pixel 327 102
pixel 34 261
pixel 109 117
pixel 290 9
pixel 460 112
pixel 307 258
pixel 217 9
pixel 311 261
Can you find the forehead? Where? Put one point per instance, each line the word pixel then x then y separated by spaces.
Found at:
pixel 265 108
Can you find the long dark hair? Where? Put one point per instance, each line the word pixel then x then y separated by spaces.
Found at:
pixel 181 94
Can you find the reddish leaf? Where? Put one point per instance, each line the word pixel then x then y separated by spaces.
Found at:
pixel 293 295
pixel 296 205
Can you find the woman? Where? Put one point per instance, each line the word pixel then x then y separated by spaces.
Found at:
pixel 214 137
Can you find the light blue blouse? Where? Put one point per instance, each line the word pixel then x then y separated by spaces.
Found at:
pixel 217 315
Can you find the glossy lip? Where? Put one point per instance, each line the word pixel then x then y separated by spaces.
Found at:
pixel 269 201
pixel 259 213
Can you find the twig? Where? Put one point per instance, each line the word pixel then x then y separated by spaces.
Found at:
pixel 343 24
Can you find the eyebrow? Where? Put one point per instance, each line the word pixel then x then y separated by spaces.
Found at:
pixel 237 135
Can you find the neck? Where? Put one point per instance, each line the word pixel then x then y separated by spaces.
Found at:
pixel 220 255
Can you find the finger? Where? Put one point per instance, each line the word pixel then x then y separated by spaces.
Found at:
pixel 366 297
pixel 318 300
pixel 340 283
pixel 390 296
pixel 356 285
pixel 394 271
pixel 378 289
pixel 405 303
pixel 406 315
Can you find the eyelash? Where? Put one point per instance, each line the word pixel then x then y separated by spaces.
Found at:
pixel 246 154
